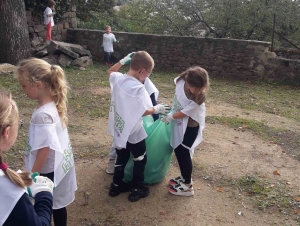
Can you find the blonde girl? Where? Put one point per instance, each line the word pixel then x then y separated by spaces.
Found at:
pixel 48 150
pixel 187 122
pixel 15 207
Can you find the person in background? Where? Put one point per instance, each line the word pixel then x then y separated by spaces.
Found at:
pixel 15 206
pixel 48 18
pixel 108 40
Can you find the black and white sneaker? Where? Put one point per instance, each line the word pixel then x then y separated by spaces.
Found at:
pixel 136 194
pixel 115 190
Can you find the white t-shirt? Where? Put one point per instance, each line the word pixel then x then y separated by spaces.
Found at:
pixel 46 114
pixel 129 101
pixel 108 40
pixel 47 19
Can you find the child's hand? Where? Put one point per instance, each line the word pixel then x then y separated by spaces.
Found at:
pixel 40 184
pixel 162 109
pixel 127 59
pixel 101 47
pixel 167 119
pixel 117 41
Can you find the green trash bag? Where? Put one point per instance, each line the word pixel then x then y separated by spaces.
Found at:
pixel 159 152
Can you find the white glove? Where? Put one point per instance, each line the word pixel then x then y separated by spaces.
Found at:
pixel 162 109
pixel 127 59
pixel 40 184
pixel 167 119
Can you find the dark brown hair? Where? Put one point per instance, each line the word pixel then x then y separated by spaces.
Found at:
pixel 196 77
pixel 51 3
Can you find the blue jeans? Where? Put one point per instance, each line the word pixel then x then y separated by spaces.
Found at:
pixel 107 57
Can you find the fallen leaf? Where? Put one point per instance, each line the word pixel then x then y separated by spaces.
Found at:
pixel 288 183
pixel 296 211
pixel 276 172
pixel 297 199
pixel 220 189
pixel 162 212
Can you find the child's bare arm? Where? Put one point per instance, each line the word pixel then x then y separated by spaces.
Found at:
pixel 179 114
pixel 114 68
pixel 40 160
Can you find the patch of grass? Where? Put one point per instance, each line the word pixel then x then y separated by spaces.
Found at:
pixel 259 128
pixel 260 96
pixel 287 139
pixel 267 195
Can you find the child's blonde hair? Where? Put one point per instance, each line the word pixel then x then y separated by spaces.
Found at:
pixel 52 76
pixel 9 116
pixel 142 60
pixel 196 77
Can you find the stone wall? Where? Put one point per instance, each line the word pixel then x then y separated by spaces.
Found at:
pixel 37 30
pixel 221 57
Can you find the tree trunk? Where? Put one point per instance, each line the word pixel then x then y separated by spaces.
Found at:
pixel 14 38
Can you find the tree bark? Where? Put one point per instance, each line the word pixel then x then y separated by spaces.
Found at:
pixel 14 37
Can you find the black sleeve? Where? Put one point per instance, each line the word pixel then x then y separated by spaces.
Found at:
pixel 154 103
pixel 24 213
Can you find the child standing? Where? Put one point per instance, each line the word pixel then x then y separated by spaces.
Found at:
pixel 129 102
pixel 108 40
pixel 15 206
pixel 153 92
pixel 48 18
pixel 188 119
pixel 48 150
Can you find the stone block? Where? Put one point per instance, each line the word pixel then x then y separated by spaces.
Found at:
pixel 82 61
pixel 41 53
pixel 58 38
pixel 39 28
pixel 30 23
pixel 60 47
pixel 64 60
pixel 54 28
pixel 30 29
pixel 73 8
pixel 64 34
pixel 73 24
pixel 66 25
pixel 50 60
pixel 42 34
pixel 60 27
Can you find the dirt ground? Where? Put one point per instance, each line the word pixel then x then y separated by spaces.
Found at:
pixel 225 153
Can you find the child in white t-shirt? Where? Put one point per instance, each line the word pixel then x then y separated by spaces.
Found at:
pixel 153 93
pixel 48 150
pixel 48 19
pixel 129 102
pixel 187 120
pixel 108 40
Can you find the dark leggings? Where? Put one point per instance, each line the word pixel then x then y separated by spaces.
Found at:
pixel 183 154
pixel 123 156
pixel 59 215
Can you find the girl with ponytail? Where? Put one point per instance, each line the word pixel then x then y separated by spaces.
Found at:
pixel 48 150
pixel 15 206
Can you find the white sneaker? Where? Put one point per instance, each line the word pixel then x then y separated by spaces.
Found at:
pixel 177 180
pixel 182 190
pixel 110 168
